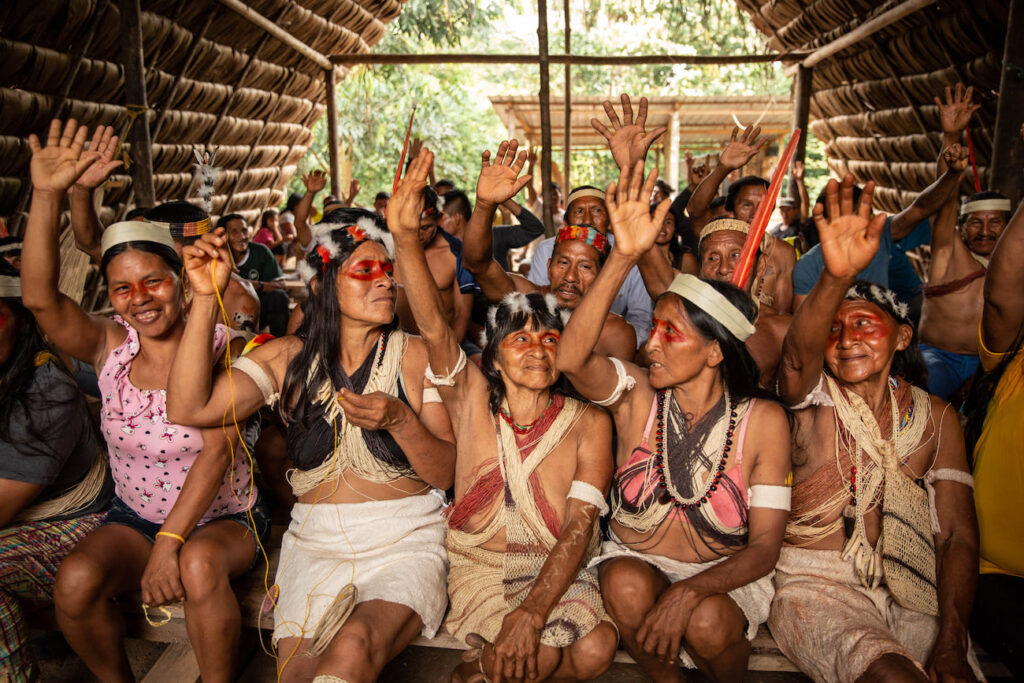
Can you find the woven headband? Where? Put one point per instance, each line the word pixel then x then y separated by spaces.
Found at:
pixel 583 192
pixel 720 224
pixel 585 234
pixel 882 297
pixel 13 246
pixel 10 286
pixel 190 229
pixel 712 302
pixel 985 205
pixel 135 231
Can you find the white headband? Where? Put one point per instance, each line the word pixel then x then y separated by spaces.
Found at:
pixel 985 205
pixel 711 301
pixel 583 192
pixel 10 286
pixel 135 231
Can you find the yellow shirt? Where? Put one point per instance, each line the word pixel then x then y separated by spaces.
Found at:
pixel 999 469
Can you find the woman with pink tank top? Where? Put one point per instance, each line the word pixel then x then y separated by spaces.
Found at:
pixel 186 516
pixel 700 496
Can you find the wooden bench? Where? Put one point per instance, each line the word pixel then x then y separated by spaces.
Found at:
pixel 178 664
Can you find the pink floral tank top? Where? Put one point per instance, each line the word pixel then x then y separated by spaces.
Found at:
pixel 149 456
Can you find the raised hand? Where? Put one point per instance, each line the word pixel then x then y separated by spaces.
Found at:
pixel 500 181
pixel 102 150
pixel 629 140
pixel 314 181
pixel 797 170
pixel 741 148
pixel 414 147
pixel 956 158
pixel 634 227
pixel 57 166
pixel 208 264
pixel 353 191
pixel 850 239
pixel 406 204
pixel 955 113
pixel 697 173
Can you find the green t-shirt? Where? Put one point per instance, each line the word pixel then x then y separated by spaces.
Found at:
pixel 260 264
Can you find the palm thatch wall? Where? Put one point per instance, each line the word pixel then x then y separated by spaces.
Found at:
pixel 212 78
pixel 873 102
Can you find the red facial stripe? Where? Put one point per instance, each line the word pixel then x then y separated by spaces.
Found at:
pixel 128 290
pixel 666 331
pixel 368 270
pixel 513 341
pixel 877 328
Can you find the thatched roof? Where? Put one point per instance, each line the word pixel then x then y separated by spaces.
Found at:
pixel 212 77
pixel 872 102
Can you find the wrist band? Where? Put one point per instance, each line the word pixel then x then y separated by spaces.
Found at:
pixel 172 535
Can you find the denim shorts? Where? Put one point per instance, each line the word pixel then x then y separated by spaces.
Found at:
pixel 121 513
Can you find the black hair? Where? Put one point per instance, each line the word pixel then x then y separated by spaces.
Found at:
pixel 665 187
pixel 430 198
pixel 809 230
pixel 717 202
pixel 555 186
pixel 978 196
pixel 175 212
pixel 17 371
pixel 382 195
pixel 265 215
pixel 983 388
pixel 168 255
pixel 506 321
pixel 676 249
pixel 137 212
pixel 458 203
pixel 224 220
pixel 822 199
pixel 739 371
pixel 293 200
pixel 734 189
pixel 445 181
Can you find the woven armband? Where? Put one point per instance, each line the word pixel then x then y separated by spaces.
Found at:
pixel 943 474
pixel 447 380
pixel 590 494
pixel 259 376
pixel 623 384
pixel 774 497
pixel 431 395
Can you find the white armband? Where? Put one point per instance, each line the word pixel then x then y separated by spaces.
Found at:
pixel 624 383
pixel 766 496
pixel 259 376
pixel 943 474
pixel 431 395
pixel 447 380
pixel 590 494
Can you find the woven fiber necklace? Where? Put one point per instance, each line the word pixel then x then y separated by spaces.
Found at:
pixel 669 492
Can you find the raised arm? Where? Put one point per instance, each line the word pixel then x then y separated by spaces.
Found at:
pixel 848 244
pixel 926 204
pixel 84 222
pixel 801 188
pixel 944 236
pixel 635 230
pixel 954 114
pixel 314 182
pixel 498 182
pixel 737 153
pixel 54 169
pixel 195 396
pixel 629 140
pixel 1003 315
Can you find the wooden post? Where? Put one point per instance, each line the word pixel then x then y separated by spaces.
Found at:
pixel 545 117
pixel 672 152
pixel 1008 150
pixel 567 137
pixel 332 132
pixel 802 87
pixel 135 96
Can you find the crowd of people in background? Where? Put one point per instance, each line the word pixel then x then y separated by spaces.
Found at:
pixel 549 446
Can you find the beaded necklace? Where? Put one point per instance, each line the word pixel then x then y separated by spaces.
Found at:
pixel 518 428
pixel 669 491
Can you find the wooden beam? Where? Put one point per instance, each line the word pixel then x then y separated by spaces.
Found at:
pixel 334 156
pixel 624 60
pixel 545 117
pixel 273 29
pixel 802 88
pixel 135 96
pixel 868 28
pixel 567 135
pixel 1007 152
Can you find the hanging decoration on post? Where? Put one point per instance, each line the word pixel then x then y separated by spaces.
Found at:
pixel 759 224
pixel 206 175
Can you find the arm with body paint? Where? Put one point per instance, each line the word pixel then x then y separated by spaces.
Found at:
pixel 848 244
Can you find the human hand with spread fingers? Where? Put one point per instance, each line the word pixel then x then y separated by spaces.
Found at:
pixel 208 264
pixel 628 140
pixel 314 181
pixel 500 181
pixel 741 148
pixel 57 166
pixel 101 149
pixel 956 111
pixel 406 204
pixel 850 238
pixel 629 213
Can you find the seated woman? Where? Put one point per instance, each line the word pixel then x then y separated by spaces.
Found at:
pixel 53 477
pixel 532 471
pixel 363 564
pixel 698 506
pixel 186 516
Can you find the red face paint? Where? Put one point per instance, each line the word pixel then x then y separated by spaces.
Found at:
pixel 523 339
pixel 859 326
pixel 369 270
pixel 152 286
pixel 666 331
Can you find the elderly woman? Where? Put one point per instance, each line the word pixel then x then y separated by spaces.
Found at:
pixel 531 473
pixel 698 506
pixel 363 563
pixel 186 516
pixel 877 577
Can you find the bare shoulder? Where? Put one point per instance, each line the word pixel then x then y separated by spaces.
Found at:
pixel 277 354
pixel 768 417
pixel 618 338
pixel 415 357
pixel 594 419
